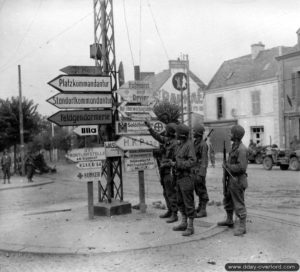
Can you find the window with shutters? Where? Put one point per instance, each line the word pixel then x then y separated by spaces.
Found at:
pixel 255 98
pixel 220 107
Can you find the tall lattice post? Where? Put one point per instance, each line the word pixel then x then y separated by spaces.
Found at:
pixel 104 48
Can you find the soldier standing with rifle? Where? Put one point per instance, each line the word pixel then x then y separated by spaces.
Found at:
pixel 235 181
pixel 169 144
pixel 185 159
pixel 200 169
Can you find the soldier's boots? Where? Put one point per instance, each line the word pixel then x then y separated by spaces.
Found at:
pixel 183 225
pixel 190 228
pixel 241 228
pixel 173 218
pixel 202 212
pixel 166 214
pixel 228 222
pixel 199 207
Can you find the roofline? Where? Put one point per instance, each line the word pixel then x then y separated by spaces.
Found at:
pixel 243 85
pixel 287 56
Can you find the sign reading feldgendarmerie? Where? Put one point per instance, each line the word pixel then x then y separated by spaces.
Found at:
pixel 84 83
pixel 77 118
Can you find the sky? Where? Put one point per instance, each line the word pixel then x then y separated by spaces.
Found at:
pixel 43 36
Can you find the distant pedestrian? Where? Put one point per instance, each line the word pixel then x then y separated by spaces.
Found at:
pixel 234 193
pixel 200 169
pixel 30 166
pixel 185 160
pixel 6 164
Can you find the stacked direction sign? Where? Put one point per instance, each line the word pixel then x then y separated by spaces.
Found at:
pixel 86 99
pixel 135 138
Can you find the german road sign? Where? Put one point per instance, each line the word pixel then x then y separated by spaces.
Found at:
pixel 79 101
pixel 77 118
pixel 139 163
pixel 137 142
pixel 89 164
pixel 137 92
pixel 126 110
pixel 70 83
pixel 86 130
pixel 112 150
pixel 86 154
pixel 137 127
pixel 81 70
pixel 89 175
pixel 134 154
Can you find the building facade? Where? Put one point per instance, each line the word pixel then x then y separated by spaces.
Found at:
pixel 289 87
pixel 246 91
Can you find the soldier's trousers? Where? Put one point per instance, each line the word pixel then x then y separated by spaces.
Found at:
pixel 185 196
pixel 6 173
pixel 29 171
pixel 234 199
pixel 170 192
pixel 200 188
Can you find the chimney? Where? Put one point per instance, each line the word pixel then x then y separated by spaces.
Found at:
pixel 256 48
pixel 298 35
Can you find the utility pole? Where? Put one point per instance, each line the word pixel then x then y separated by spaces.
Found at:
pixel 21 122
pixel 189 95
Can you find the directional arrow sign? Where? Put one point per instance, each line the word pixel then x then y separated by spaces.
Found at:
pixel 137 127
pixel 81 70
pixel 137 92
pixel 86 130
pixel 66 83
pixel 112 150
pixel 77 118
pixel 89 164
pixel 89 175
pixel 137 142
pixel 131 110
pixel 79 101
pixel 86 154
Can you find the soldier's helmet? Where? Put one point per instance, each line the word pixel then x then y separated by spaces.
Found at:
pixel 182 131
pixel 171 129
pixel 198 130
pixel 238 132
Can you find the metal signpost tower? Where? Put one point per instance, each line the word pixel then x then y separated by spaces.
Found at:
pixel 103 51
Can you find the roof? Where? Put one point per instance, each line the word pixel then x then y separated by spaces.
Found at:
pixel 160 79
pixel 245 69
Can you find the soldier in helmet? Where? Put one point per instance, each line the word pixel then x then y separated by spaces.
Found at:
pixel 185 160
pixel 199 170
pixel 169 144
pixel 236 164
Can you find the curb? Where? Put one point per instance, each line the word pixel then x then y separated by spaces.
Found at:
pixel 40 250
pixel 26 185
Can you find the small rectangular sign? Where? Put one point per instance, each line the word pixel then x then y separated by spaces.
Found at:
pixel 139 163
pixel 86 154
pixel 89 175
pixel 89 164
pixel 86 130
pixel 77 118
pixel 112 150
pixel 137 127
pixel 81 70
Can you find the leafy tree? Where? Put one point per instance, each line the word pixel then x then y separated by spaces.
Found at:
pixel 167 112
pixel 62 139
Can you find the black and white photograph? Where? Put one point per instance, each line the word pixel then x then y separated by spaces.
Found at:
pixel 215 188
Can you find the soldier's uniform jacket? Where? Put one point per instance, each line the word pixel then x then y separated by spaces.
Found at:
pixel 201 150
pixel 185 159
pixel 5 161
pixel 237 163
pixel 169 146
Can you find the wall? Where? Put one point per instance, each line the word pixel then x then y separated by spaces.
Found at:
pixel 238 105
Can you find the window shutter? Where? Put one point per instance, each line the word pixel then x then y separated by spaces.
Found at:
pixel 223 107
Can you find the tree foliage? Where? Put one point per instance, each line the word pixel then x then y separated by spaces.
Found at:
pixel 167 112
pixel 10 121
